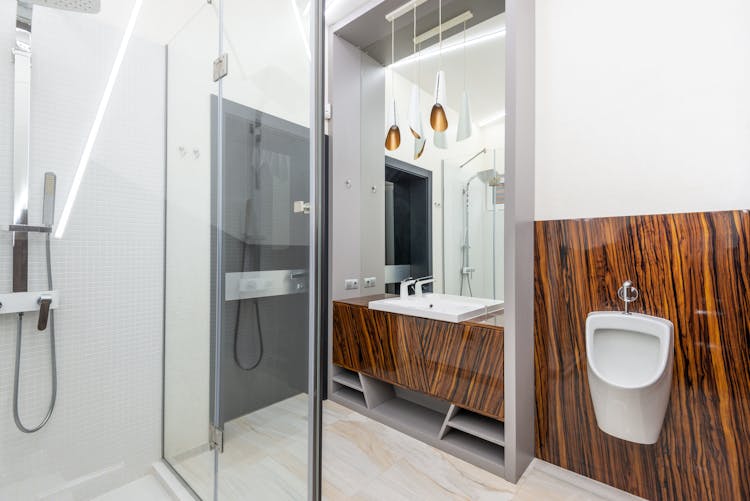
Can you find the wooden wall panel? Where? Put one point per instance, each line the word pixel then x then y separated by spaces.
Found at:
pixel 693 269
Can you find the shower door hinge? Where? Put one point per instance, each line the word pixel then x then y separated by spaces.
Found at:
pixel 221 67
pixel 216 438
pixel 301 207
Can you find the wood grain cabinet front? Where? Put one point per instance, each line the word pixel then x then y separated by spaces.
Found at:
pixel 461 363
pixel 464 365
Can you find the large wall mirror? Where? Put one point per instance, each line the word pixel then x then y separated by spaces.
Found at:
pixel 439 193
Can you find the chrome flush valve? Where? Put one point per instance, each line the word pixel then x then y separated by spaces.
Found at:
pixel 627 293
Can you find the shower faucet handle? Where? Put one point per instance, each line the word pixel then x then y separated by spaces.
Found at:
pixel 45 301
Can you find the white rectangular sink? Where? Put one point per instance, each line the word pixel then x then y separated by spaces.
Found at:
pixel 443 307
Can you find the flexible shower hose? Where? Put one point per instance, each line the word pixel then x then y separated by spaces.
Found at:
pixel 53 358
pixel 237 324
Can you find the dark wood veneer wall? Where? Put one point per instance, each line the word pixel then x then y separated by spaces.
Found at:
pixel 693 269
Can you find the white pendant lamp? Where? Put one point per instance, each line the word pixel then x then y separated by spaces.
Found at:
pixel 393 136
pixel 419 145
pixel 440 139
pixel 464 116
pixel 415 116
pixel 438 118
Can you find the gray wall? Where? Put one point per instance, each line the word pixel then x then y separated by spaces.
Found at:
pixel 357 222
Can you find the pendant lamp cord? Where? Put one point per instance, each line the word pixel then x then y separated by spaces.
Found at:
pixel 464 56
pixel 440 31
pixel 393 60
pixel 440 44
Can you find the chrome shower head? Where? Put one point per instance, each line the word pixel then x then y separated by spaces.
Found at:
pixel 26 7
pixel 486 175
pixel 86 6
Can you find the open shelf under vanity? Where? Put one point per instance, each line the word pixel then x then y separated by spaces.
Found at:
pixel 466 434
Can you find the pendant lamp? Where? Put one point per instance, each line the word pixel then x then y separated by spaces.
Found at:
pixel 438 118
pixel 441 140
pixel 393 137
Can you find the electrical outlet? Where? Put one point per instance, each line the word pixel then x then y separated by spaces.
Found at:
pixel 369 282
pixel 351 284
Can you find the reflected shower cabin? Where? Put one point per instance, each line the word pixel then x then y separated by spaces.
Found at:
pixel 264 260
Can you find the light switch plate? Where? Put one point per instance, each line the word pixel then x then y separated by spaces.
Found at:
pixel 369 282
pixel 351 284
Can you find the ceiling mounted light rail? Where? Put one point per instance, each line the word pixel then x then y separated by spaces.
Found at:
pixel 437 30
pixel 396 13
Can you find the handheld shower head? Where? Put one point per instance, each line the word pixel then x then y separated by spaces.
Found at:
pixel 48 202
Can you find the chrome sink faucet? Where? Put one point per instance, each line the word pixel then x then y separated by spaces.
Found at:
pixel 421 282
pixel 405 284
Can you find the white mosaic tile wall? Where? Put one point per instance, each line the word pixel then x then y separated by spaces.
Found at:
pixel 106 429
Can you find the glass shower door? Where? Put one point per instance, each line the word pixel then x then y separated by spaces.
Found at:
pixel 261 269
pixel 188 328
pixel 239 401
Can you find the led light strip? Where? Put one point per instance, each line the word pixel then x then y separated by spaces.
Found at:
pixel 492 119
pixel 94 133
pixel 434 51
pixel 300 27
pixel 450 23
pixel 407 7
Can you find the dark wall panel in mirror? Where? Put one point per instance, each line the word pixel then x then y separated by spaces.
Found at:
pixel 693 269
pixel 265 248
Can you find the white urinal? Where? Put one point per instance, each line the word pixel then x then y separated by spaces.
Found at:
pixel 629 360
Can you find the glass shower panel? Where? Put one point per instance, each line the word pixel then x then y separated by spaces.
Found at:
pixel 188 328
pixel 473 211
pixel 264 251
pixel 82 98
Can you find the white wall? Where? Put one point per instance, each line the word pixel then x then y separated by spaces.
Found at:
pixel 642 107
pixel 106 427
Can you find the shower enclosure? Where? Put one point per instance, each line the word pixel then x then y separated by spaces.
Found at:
pixel 473 227
pixel 161 173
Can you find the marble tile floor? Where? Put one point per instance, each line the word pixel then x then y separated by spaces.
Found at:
pixel 265 456
pixel 145 488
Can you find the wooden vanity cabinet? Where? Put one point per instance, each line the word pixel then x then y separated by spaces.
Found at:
pixel 461 363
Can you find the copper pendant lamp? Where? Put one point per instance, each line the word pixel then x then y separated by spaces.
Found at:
pixel 438 118
pixel 393 136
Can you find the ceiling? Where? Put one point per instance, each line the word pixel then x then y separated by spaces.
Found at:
pixel 371 32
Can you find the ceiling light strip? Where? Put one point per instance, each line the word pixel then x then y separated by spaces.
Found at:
pixel 427 54
pixel 94 133
pixel 407 7
pixel 451 23
pixel 492 119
